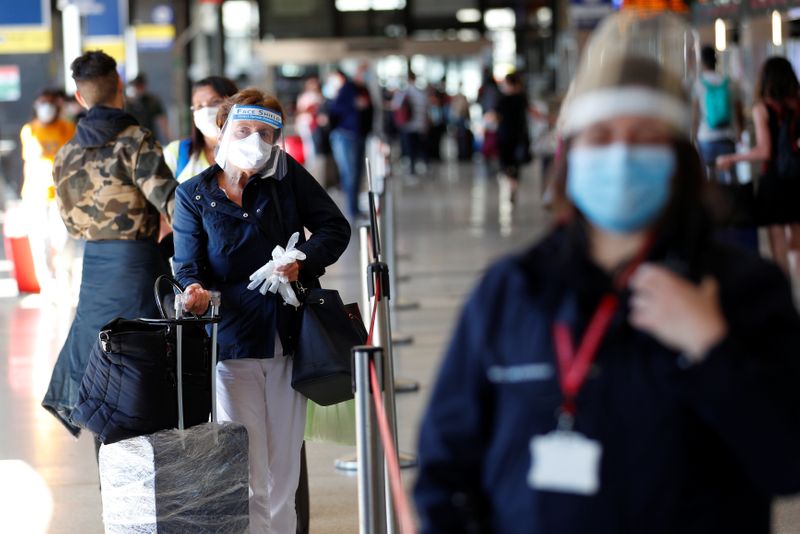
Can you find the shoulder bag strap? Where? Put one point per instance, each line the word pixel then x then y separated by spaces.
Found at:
pixel 274 193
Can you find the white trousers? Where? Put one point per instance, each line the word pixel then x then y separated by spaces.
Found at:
pixel 258 394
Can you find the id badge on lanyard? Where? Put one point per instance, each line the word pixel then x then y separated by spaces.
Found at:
pixel 564 460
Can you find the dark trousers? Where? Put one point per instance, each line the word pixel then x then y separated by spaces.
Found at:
pixel 411 145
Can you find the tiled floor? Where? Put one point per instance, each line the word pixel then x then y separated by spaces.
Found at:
pixel 450 226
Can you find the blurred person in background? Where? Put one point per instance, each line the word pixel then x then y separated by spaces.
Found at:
pixel 458 116
pixel 488 96
pixel 228 219
pixel 410 107
pixel 309 104
pixel 718 113
pixel 147 108
pixel 190 156
pixel 775 117
pixel 628 373
pixel 344 110
pixel 513 139
pixel 41 139
pixel 111 185
pixel 437 123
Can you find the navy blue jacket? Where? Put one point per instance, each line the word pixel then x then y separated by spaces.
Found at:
pixel 343 111
pixel 689 450
pixel 220 244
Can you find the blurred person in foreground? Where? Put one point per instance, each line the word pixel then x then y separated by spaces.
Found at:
pixel 41 139
pixel 626 374
pixel 192 155
pixel 776 115
pixel 111 185
pixel 228 221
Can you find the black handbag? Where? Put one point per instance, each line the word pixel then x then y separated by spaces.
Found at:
pixel 322 367
pixel 130 385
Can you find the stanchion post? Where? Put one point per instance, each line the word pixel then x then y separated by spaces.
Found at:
pixel 371 494
pixel 382 336
pixel 364 246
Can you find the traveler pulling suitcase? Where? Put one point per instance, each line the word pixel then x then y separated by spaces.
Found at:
pixel 180 480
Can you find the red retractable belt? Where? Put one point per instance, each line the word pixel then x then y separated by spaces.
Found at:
pixel 573 366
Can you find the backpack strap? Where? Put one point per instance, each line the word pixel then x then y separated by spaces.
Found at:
pixel 183 156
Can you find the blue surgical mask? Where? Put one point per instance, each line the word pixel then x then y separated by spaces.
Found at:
pixel 620 188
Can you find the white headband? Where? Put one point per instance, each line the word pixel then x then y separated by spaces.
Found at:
pixel 607 103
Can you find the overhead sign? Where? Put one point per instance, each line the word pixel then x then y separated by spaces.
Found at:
pixel 25 29
pixel 105 27
pixel 10 83
pixel 586 14
pixel 155 36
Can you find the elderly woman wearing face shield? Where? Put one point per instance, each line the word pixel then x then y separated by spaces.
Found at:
pixel 228 219
pixel 627 374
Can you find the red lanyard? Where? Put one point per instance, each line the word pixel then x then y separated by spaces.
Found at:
pixel 573 367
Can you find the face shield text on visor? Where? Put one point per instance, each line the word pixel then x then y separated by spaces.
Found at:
pixel 251 142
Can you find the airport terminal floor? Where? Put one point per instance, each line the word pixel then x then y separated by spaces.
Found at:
pixel 451 224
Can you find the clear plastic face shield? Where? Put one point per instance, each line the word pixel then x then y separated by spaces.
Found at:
pixel 251 143
pixel 635 63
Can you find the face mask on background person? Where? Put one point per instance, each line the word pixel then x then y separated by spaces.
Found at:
pixel 46 112
pixel 332 87
pixel 620 188
pixel 249 153
pixel 206 121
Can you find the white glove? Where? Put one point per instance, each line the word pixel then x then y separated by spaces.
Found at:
pixel 269 280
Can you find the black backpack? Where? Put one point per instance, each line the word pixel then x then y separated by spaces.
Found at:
pixel 787 151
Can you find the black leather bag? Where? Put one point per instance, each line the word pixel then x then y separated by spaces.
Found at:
pixel 130 385
pixel 322 368
pixel 735 205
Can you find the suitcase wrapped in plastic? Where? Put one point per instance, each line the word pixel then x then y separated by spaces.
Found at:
pixel 177 481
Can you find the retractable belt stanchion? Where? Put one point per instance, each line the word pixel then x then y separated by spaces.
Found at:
pixel 371 496
pixel 375 269
pixel 380 189
pixel 388 231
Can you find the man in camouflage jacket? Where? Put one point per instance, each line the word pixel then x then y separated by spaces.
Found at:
pixel 112 185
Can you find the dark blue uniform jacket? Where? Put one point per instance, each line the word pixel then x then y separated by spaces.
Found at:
pixel 220 244
pixel 686 450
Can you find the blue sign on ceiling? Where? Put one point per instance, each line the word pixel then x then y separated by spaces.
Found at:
pixel 29 12
pixel 108 21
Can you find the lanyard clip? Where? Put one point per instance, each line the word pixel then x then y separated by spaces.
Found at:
pixel 566 419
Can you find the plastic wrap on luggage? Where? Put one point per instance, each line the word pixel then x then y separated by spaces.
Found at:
pixel 173 481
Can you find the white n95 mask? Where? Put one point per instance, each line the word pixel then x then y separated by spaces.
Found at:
pixel 249 153
pixel 46 112
pixel 206 121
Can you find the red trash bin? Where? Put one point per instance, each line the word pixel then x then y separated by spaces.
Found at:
pixel 18 250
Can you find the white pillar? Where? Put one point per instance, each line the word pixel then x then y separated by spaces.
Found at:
pixel 71 30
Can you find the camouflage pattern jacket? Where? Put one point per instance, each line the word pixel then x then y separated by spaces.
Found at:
pixel 111 179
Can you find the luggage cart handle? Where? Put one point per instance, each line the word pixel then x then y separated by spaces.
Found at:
pixel 179 322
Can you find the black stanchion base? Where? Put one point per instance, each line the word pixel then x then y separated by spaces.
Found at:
pixel 405 305
pixel 402 339
pixel 402 385
pixel 349 463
